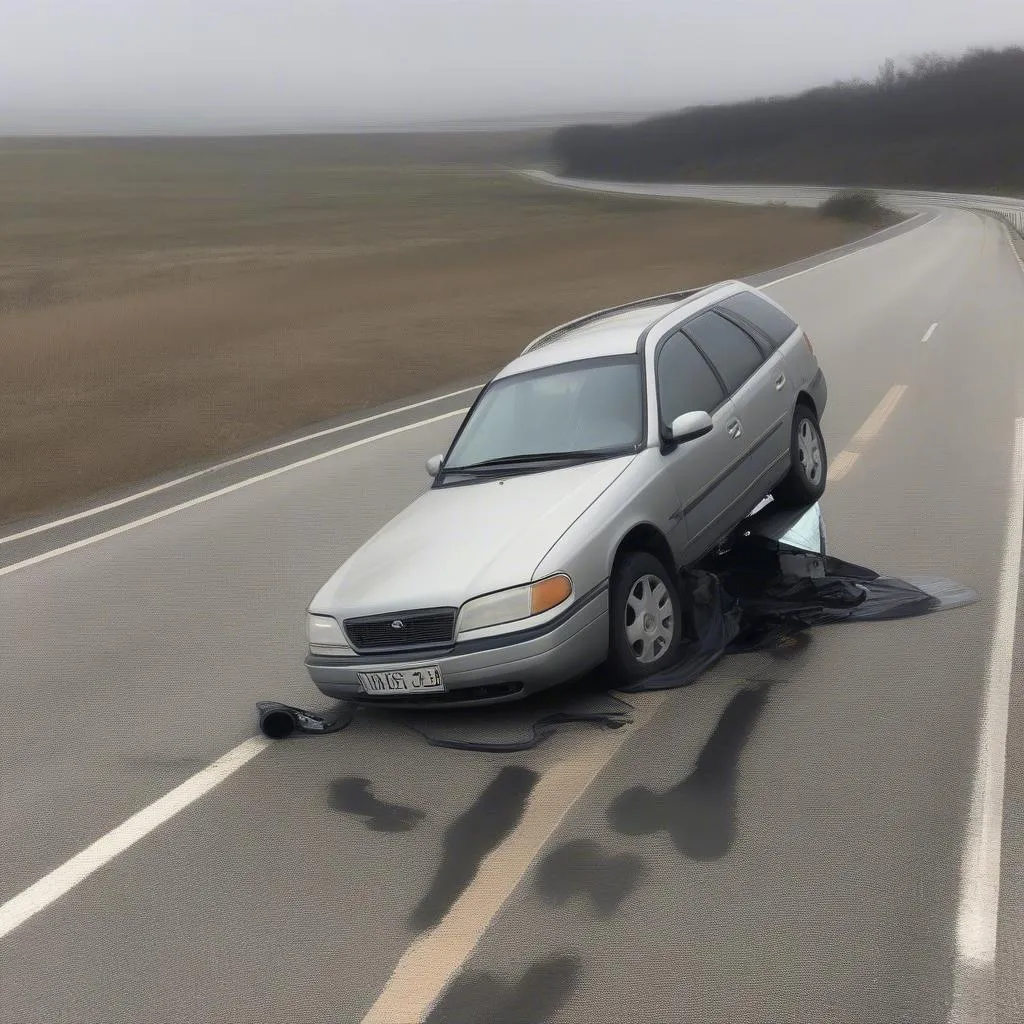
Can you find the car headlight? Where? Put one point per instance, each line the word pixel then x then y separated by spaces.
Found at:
pixel 325 635
pixel 517 603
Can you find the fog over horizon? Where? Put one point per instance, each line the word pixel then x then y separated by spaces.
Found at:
pixel 185 66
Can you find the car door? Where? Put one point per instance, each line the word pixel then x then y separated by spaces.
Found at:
pixel 685 382
pixel 755 380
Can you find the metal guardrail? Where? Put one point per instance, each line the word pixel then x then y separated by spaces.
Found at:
pixel 1015 218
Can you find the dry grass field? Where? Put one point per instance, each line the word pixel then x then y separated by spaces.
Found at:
pixel 166 302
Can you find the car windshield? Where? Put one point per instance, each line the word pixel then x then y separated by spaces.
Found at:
pixel 582 410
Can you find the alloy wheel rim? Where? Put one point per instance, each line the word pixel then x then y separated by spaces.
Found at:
pixel 649 619
pixel 809 451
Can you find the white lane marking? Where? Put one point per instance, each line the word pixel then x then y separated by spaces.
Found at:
pixel 980 868
pixel 979 894
pixel 191 503
pixel 874 423
pixel 927 334
pixel 52 525
pixel 61 880
pixel 429 964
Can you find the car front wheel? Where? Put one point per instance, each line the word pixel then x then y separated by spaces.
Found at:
pixel 645 617
pixel 808 470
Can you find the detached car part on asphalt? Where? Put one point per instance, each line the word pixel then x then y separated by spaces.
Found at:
pixel 614 451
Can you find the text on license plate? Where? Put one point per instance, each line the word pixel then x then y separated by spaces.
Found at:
pixel 424 679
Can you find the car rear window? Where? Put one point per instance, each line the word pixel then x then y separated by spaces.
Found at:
pixel 732 351
pixel 775 324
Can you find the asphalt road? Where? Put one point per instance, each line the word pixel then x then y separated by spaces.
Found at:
pixel 788 853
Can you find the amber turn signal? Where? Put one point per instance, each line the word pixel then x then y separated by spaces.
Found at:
pixel 546 594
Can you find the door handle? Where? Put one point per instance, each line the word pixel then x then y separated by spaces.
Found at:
pixel 780 382
pixel 734 428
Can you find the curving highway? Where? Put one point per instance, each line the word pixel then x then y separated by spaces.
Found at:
pixel 843 843
pixel 905 200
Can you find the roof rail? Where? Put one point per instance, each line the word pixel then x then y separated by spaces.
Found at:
pixel 651 300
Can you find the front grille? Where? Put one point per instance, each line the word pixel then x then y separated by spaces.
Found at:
pixel 402 631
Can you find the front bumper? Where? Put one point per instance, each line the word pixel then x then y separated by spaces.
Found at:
pixel 484 671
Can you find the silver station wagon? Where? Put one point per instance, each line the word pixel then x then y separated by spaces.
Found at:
pixel 616 450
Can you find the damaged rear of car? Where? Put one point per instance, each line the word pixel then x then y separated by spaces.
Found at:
pixel 614 451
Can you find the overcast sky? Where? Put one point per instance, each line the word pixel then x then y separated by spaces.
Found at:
pixel 114 65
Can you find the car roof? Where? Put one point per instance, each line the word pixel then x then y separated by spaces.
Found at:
pixel 617 331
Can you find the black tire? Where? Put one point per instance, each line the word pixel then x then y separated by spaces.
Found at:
pixel 623 657
pixel 804 484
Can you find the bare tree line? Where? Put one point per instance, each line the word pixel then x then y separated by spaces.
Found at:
pixel 935 122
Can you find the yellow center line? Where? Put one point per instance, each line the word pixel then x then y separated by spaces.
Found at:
pixel 841 465
pixel 874 423
pixel 870 429
pixel 426 967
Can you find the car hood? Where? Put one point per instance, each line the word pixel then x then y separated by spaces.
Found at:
pixel 455 542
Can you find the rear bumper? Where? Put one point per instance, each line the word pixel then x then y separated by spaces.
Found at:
pixel 818 390
pixel 485 672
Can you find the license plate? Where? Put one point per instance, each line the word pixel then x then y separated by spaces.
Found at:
pixel 424 679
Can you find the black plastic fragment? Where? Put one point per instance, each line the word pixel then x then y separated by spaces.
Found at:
pixel 523 724
pixel 539 731
pixel 947 593
pixel 279 721
pixel 761 592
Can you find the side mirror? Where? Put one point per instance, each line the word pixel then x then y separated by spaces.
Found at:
pixel 434 464
pixel 690 425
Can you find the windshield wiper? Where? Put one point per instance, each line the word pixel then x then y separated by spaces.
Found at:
pixel 520 460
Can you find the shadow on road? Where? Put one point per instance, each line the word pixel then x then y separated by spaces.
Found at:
pixel 700 812
pixel 477 997
pixel 353 796
pixel 581 868
pixel 482 827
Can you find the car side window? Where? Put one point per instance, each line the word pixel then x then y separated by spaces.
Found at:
pixel 772 322
pixel 686 383
pixel 732 352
